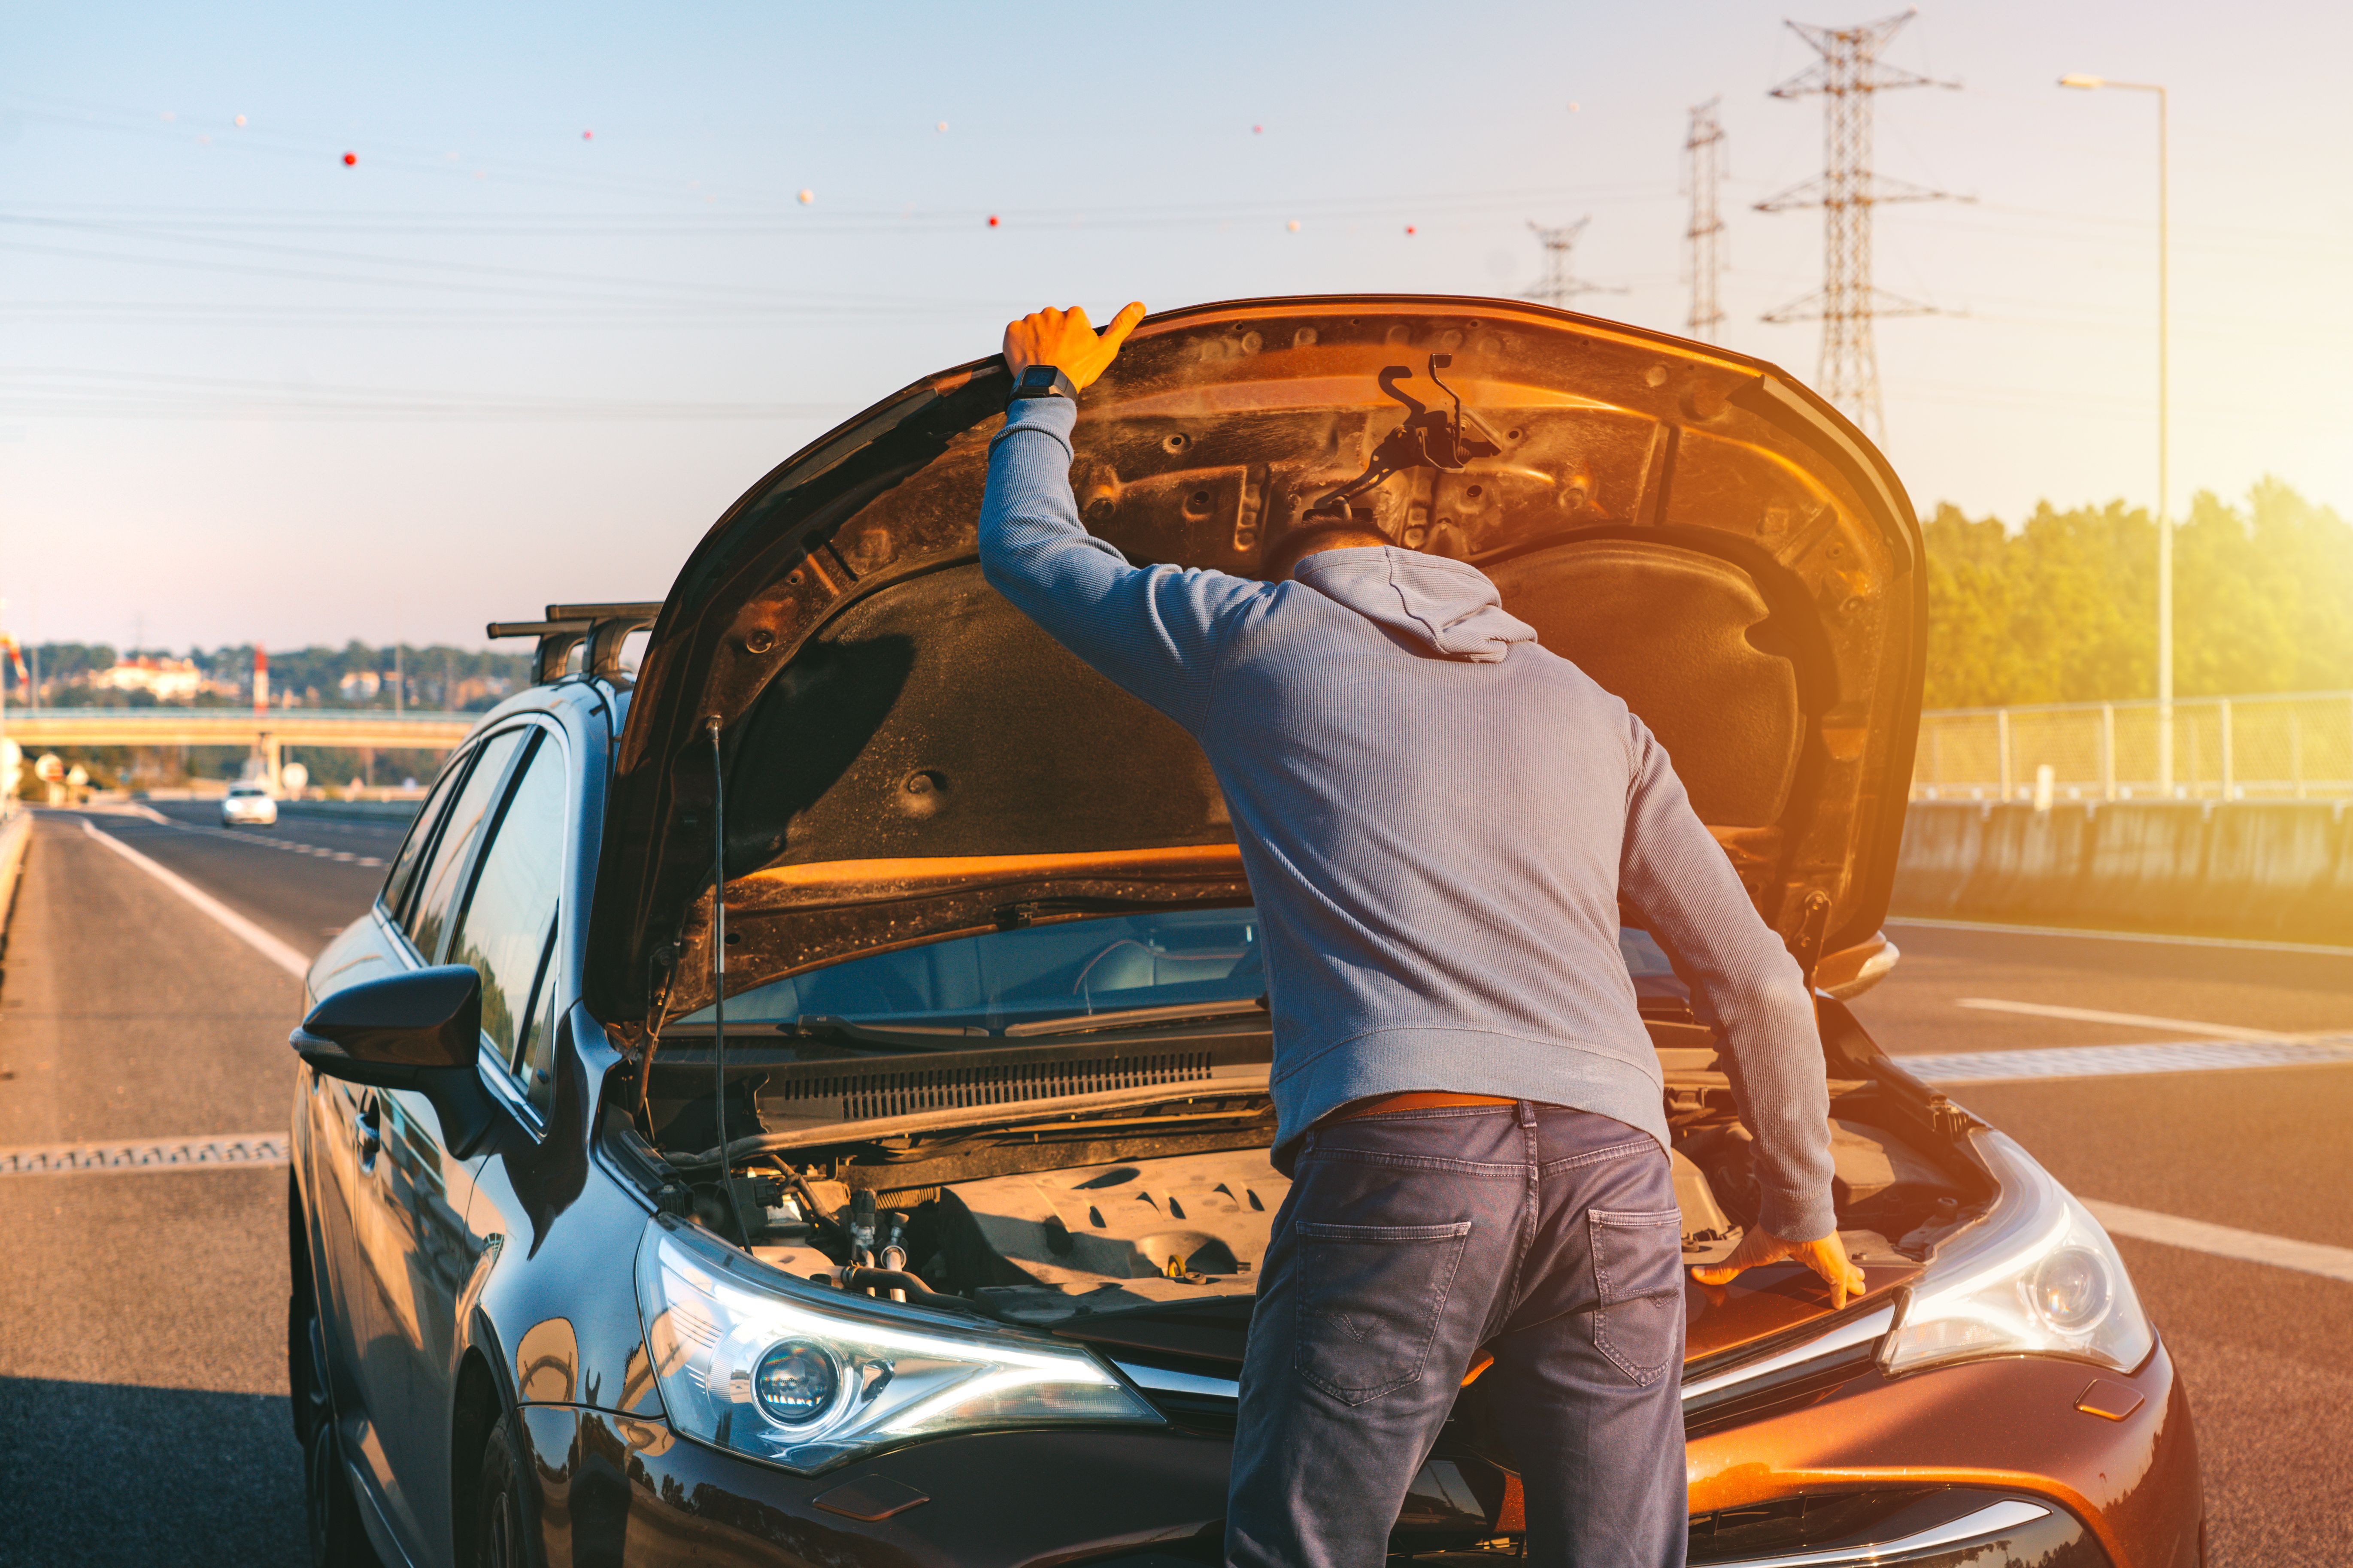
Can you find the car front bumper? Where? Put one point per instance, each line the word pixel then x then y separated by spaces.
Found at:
pixel 2010 1428
pixel 2026 1478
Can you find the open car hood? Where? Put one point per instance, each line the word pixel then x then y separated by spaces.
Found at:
pixel 906 757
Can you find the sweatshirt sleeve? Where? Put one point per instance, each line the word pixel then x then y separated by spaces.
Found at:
pixel 1745 985
pixel 1154 631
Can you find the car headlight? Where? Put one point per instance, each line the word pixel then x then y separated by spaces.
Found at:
pixel 2037 1276
pixel 801 1375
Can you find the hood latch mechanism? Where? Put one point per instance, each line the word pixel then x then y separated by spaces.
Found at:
pixel 1428 439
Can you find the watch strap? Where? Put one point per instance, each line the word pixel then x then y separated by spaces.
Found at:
pixel 1043 381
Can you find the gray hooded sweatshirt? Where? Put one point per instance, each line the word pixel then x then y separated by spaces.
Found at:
pixel 1439 818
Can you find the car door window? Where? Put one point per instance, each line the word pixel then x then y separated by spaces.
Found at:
pixel 535 1058
pixel 397 881
pixel 503 931
pixel 443 882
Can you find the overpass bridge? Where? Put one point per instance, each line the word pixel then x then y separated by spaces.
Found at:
pixel 267 733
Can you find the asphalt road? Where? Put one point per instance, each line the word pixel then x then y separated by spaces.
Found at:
pixel 142 1316
pixel 142 1411
pixel 2264 1349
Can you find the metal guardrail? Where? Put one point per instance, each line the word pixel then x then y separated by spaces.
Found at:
pixel 2297 746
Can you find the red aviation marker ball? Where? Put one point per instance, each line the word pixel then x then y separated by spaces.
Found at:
pixel 1409 228
pixel 351 159
pixel 588 136
pixel 992 220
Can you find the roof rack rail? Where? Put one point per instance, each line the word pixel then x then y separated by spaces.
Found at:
pixel 603 626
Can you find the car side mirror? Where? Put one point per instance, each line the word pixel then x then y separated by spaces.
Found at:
pixel 419 1031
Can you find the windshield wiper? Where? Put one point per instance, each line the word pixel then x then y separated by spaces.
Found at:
pixel 841 1032
pixel 1129 1017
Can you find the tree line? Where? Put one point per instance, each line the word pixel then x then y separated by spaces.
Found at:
pixel 2063 607
pixel 434 677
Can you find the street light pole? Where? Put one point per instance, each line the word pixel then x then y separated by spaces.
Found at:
pixel 2164 518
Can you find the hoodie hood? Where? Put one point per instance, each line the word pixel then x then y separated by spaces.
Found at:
pixel 1450 607
pixel 907 758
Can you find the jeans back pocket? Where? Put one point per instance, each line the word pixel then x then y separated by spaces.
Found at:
pixel 1369 1300
pixel 1638 1276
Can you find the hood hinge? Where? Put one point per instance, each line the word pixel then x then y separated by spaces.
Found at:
pixel 1805 944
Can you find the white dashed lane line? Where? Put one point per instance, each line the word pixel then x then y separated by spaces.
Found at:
pixel 293 845
pixel 224 1152
pixel 2112 1061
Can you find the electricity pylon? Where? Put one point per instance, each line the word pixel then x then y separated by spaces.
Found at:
pixel 1703 155
pixel 1846 76
pixel 1559 284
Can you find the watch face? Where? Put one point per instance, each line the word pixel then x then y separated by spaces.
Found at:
pixel 1038 375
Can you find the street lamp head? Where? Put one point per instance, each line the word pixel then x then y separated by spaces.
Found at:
pixel 2083 81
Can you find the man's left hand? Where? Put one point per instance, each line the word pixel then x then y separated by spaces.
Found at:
pixel 1064 340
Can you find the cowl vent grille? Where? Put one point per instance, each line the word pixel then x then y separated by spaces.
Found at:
pixel 875 1092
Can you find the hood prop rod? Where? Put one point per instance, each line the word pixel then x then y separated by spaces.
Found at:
pixel 719 977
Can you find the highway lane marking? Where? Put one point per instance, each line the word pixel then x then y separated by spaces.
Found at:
pixel 255 839
pixel 260 941
pixel 1997 928
pixel 2224 1241
pixel 220 1152
pixel 2108 1061
pixel 2131 1020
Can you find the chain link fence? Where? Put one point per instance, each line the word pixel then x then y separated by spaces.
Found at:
pixel 2298 747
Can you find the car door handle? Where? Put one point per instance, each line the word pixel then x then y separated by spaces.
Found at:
pixel 368 1129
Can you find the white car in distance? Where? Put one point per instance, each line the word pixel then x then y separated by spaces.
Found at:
pixel 247 806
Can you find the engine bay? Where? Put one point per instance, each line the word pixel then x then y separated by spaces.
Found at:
pixel 1066 1208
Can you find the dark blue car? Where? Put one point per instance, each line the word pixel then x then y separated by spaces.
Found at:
pixel 936 1249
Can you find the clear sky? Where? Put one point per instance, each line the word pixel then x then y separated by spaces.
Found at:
pixel 566 305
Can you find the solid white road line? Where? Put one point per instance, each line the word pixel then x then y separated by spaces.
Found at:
pixel 2130 1020
pixel 2223 1241
pixel 1998 928
pixel 2109 1061
pixel 260 941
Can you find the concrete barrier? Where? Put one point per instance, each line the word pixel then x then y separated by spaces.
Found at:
pixel 16 834
pixel 2281 871
pixel 2146 864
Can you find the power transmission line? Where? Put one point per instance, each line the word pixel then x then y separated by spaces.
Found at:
pixel 1704 150
pixel 1560 283
pixel 1846 76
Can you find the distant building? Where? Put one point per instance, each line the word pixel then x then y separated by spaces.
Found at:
pixel 360 686
pixel 166 679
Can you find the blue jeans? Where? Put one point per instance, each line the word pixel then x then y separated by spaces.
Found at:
pixel 1410 1242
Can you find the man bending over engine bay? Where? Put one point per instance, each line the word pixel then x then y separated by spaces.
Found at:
pixel 1467 1099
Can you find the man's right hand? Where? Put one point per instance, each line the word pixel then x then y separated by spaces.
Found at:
pixel 1064 340
pixel 1826 1258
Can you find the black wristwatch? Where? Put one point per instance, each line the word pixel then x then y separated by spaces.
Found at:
pixel 1043 381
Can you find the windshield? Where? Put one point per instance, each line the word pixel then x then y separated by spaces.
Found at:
pixel 1007 978
pixel 1004 980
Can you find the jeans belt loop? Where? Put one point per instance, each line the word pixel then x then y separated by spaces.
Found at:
pixel 1527 1113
